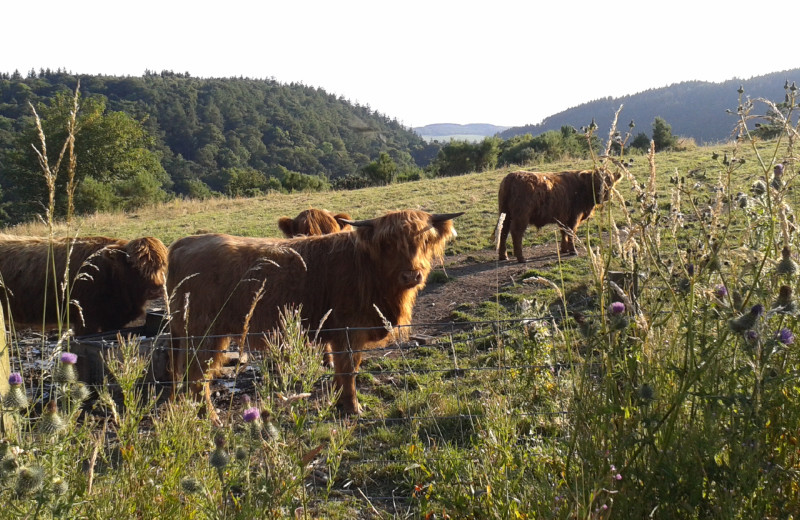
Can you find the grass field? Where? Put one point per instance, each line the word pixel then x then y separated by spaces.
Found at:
pixel 679 400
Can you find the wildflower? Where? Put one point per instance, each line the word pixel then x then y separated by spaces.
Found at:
pixel 751 336
pixel 746 321
pixel 617 477
pixel 65 370
pixel 720 291
pixel 16 397
pixel 50 422
pixel 786 266
pixel 616 308
pixel 251 414
pixel 29 480
pixel 785 336
pixel 190 485
pixel 777 177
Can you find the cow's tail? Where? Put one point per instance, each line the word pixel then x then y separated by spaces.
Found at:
pixel 498 229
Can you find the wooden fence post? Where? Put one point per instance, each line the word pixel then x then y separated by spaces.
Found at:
pixel 6 420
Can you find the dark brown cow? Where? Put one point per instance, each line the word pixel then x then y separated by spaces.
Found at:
pixel 565 199
pixel 313 222
pixel 110 280
pixel 363 277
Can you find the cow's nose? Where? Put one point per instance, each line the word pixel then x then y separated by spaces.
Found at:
pixel 411 278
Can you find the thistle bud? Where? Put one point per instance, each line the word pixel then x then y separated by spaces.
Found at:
pixel 786 266
pixel 16 397
pixel 190 485
pixel 50 422
pixel 758 188
pixel 59 486
pixel 785 304
pixel 241 454
pixel 29 480
pixel 219 458
pixel 65 370
pixel 746 321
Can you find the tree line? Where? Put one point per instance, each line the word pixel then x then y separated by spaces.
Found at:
pixel 142 140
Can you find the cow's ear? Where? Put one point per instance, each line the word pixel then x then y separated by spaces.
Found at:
pixel 341 219
pixel 286 226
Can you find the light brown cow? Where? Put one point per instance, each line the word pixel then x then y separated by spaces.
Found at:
pixel 362 277
pixel 540 198
pixel 313 222
pixel 110 280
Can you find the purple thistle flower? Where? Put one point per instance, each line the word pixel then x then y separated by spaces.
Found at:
pixel 15 378
pixel 785 336
pixel 757 310
pixel 751 335
pixel 251 414
pixel 778 169
pixel 616 308
pixel 618 476
pixel 721 291
pixel 68 358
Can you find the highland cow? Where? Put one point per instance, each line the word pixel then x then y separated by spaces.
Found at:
pixel 313 222
pixel 355 282
pixel 108 283
pixel 565 199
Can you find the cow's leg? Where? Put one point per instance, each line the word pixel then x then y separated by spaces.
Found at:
pixel 346 365
pixel 567 238
pixel 504 229
pixel 327 357
pixel 206 360
pixel 518 227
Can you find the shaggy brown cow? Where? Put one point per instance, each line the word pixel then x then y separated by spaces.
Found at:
pixel 110 280
pixel 313 222
pixel 565 199
pixel 363 277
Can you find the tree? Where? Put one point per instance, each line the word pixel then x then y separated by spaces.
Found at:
pixel 112 149
pixel 641 142
pixel 381 171
pixel 662 135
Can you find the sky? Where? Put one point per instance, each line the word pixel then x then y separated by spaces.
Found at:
pixel 502 62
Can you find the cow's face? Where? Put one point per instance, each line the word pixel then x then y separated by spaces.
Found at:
pixel 148 258
pixel 403 244
pixel 603 182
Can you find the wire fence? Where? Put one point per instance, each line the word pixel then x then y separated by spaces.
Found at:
pixel 395 372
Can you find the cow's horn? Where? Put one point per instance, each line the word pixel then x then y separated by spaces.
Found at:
pixel 441 217
pixel 357 223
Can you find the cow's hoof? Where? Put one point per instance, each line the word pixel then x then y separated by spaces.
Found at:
pixel 503 257
pixel 521 259
pixel 350 407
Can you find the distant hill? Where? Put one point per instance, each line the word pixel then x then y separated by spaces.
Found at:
pixel 693 108
pixel 446 131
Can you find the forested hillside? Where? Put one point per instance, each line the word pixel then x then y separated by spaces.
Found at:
pixel 695 109
pixel 176 134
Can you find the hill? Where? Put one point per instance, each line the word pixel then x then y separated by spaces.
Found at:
pixel 694 109
pixel 202 127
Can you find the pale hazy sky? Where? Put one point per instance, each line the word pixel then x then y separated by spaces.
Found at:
pixel 501 62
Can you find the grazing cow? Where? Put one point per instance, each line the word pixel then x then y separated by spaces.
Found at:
pixel 565 199
pixel 110 280
pixel 313 222
pixel 362 278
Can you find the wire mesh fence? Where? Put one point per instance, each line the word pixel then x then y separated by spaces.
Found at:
pixel 430 389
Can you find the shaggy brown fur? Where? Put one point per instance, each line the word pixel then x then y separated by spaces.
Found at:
pixel 110 280
pixel 565 199
pixel 313 222
pixel 383 263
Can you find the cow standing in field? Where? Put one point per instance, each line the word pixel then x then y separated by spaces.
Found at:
pixel 565 199
pixel 363 277
pixel 313 222
pixel 109 280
